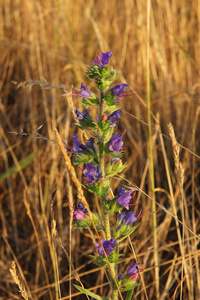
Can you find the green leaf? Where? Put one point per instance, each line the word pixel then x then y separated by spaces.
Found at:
pixel 129 287
pixel 114 257
pixel 83 157
pixel 129 295
pixel 87 292
pixel 129 232
pixel 22 163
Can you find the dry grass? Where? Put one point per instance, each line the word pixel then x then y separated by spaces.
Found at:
pixel 56 40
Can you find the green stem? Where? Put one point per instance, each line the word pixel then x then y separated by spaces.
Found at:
pixel 106 217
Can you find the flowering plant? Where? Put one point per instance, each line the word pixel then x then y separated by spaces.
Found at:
pixel 101 155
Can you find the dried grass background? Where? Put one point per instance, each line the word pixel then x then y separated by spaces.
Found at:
pixel 57 40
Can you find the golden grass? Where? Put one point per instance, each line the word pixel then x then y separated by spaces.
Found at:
pixel 56 40
pixel 17 281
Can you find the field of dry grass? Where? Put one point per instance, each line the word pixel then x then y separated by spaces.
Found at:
pixel 57 40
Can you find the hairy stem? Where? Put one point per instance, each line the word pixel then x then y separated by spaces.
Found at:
pixel 106 218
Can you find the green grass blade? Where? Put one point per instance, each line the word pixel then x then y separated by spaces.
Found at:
pixel 129 295
pixel 22 163
pixel 84 291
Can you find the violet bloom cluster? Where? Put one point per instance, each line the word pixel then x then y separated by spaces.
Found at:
pixel 116 143
pixel 124 197
pixel 108 246
pixel 81 212
pixel 92 173
pixel 103 59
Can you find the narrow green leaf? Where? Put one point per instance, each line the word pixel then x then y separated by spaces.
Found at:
pixel 23 163
pixel 84 291
pixel 129 295
pixel 129 287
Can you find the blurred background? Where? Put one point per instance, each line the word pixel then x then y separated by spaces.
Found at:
pixel 51 44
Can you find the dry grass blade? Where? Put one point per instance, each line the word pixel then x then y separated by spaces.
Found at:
pixel 46 46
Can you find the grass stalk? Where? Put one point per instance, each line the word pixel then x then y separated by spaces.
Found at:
pixel 151 152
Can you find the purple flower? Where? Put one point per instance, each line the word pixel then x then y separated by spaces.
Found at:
pixel 120 277
pixel 81 212
pixel 132 271
pixel 119 90
pixel 78 147
pixel 115 116
pixel 127 218
pixel 121 217
pixel 85 92
pixel 124 197
pixel 116 143
pixel 107 245
pixel 82 208
pixel 103 59
pixel 79 215
pixel 90 143
pixel 121 191
pixel 81 115
pixel 92 173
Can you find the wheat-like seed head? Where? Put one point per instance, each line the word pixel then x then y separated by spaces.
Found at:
pixel 17 281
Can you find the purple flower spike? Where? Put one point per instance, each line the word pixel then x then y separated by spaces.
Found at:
pixel 78 147
pixel 92 173
pixel 81 115
pixel 107 245
pixel 119 90
pixel 103 59
pixel 115 116
pixel 116 143
pixel 124 198
pixel 85 92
